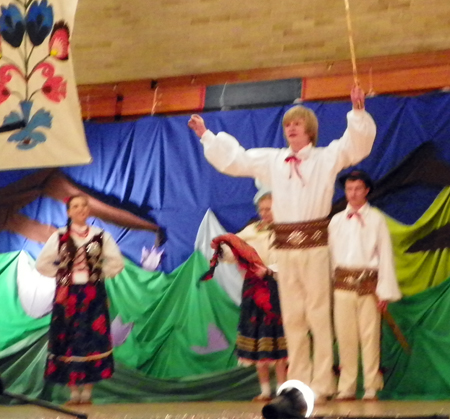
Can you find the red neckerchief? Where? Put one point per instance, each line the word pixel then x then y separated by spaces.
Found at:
pixel 294 163
pixel 360 218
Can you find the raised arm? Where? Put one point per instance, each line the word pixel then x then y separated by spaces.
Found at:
pixel 357 140
pixel 357 97
pixel 225 153
pixel 197 124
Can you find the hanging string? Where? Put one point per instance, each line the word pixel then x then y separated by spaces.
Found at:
pixel 371 92
pixel 155 100
pixel 88 110
pixel 223 107
pixel 351 42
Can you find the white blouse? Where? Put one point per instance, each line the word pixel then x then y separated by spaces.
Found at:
pixel 112 260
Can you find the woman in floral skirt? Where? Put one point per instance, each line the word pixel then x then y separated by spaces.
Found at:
pixel 261 340
pixel 80 257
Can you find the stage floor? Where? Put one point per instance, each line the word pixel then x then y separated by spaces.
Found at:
pixel 228 410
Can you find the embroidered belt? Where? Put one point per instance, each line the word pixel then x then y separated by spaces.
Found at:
pixel 301 235
pixel 363 281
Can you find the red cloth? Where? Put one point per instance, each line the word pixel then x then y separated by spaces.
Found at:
pixel 255 270
pixel 245 255
pixel 357 215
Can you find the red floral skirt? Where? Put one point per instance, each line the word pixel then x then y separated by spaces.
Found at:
pixel 260 330
pixel 80 349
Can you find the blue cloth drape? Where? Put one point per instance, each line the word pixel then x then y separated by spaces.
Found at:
pixel 156 165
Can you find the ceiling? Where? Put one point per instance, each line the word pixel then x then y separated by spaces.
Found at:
pixel 117 40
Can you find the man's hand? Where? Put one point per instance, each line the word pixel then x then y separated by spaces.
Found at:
pixel 197 124
pixel 357 95
pixel 382 306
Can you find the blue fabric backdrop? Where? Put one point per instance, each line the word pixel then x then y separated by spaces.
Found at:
pixel 156 164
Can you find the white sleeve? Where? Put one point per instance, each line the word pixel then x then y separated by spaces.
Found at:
pixel 356 142
pixel 112 257
pixel 387 287
pixel 225 153
pixel 48 259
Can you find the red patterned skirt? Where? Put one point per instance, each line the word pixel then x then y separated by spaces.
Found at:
pixel 80 348
pixel 260 334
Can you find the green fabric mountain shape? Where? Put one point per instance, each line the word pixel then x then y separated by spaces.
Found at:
pixel 173 314
pixel 419 271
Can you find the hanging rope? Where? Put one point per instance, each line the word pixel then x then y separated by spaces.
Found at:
pixel 352 44
pixel 155 100
pixel 371 92
pixel 88 110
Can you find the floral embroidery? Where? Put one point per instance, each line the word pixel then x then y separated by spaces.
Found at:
pixel 12 27
pixel 90 292
pixel 107 373
pixel 71 306
pixel 76 378
pixel 262 299
pixel 31 22
pixel 99 324
pixel 58 45
pixel 73 378
pixel 51 368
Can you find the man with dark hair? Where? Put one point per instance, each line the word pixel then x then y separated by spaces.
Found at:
pixel 364 284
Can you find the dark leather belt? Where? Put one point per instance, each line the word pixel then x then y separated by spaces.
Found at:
pixel 301 235
pixel 363 281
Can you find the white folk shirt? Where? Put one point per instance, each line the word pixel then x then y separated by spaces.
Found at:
pixel 112 260
pixel 294 198
pixel 363 241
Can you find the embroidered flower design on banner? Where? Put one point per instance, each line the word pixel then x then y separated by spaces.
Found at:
pixel 28 137
pixel 39 22
pixel 23 24
pixel 12 25
pixel 58 45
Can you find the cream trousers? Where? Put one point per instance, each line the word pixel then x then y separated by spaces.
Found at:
pixel 357 324
pixel 305 294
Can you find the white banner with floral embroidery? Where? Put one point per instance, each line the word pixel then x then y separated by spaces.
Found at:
pixel 40 117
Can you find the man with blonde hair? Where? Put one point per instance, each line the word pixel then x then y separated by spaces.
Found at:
pixel 301 178
pixel 298 113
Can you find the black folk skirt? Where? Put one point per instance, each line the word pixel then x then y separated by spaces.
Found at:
pixel 260 330
pixel 80 345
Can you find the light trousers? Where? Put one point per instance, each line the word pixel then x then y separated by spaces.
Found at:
pixel 357 324
pixel 305 294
